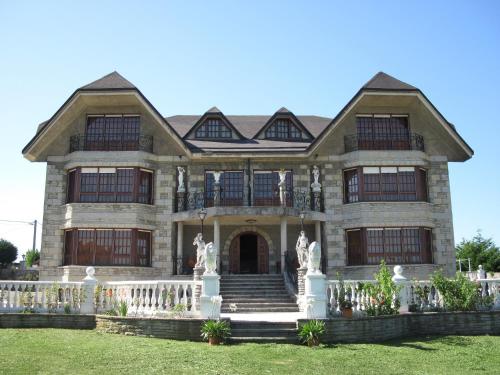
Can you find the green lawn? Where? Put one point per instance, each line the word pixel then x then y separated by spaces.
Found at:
pixel 57 351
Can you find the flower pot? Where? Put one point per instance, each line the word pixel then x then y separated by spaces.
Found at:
pixel 347 312
pixel 214 341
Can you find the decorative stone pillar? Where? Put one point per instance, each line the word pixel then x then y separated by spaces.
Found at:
pixel 301 287
pixel 315 297
pixel 89 284
pixel 197 276
pixel 180 247
pixel 217 242
pixel 404 293
pixel 210 299
pixel 283 237
pixel 181 201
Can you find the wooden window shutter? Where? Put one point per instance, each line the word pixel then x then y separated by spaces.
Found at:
pixel 354 247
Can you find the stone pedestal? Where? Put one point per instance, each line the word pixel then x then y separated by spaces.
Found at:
pixel 181 201
pixel 210 300
pixel 197 275
pixel 404 293
pixel 315 298
pixel 89 284
pixel 216 194
pixel 301 285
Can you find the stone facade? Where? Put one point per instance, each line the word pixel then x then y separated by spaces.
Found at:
pixel 176 145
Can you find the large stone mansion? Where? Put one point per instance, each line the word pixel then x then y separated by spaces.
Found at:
pixel 127 190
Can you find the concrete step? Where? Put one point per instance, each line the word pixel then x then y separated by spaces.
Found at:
pixel 264 340
pixel 257 324
pixel 262 304
pixel 227 300
pixel 261 309
pixel 263 333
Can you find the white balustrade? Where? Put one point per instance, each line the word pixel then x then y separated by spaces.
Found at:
pixel 150 298
pixel 39 296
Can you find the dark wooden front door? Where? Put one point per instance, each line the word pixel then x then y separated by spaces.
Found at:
pixel 249 253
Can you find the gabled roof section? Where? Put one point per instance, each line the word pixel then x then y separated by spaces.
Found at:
pixel 111 81
pixel 383 81
pixel 213 112
pixel 284 113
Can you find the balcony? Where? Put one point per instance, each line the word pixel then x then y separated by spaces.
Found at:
pixel 111 142
pixel 355 142
pixel 299 199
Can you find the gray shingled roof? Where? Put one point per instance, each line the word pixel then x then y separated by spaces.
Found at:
pixel 383 81
pixel 248 125
pixel 110 81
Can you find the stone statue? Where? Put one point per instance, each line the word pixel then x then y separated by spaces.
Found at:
pixel 316 186
pixel 314 258
pixel 210 258
pixel 481 273
pixel 282 186
pixel 217 177
pixel 301 248
pixel 181 188
pixel 200 250
pixel 282 174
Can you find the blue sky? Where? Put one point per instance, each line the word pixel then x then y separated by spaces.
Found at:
pixel 252 57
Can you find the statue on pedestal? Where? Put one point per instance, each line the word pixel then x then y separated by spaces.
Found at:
pixel 301 248
pixel 180 180
pixel 200 250
pixel 316 185
pixel 210 258
pixel 314 259
pixel 282 186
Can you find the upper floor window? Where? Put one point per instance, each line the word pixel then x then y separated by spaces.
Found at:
pixel 283 129
pixel 107 247
pixel 368 184
pixel 266 188
pixel 213 128
pixel 369 246
pixel 122 185
pixel 112 132
pixel 231 188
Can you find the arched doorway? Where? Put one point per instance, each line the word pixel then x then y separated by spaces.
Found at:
pixel 249 253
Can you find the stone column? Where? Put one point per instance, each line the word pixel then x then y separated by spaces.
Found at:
pixel 180 247
pixel 217 242
pixel 89 284
pixel 317 232
pixel 197 275
pixel 283 236
pixel 301 287
pixel 404 293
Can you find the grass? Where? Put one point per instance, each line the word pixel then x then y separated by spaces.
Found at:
pixel 57 351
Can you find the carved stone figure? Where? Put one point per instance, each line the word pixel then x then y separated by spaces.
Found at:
pixel 316 186
pixel 481 273
pixel 210 258
pixel 217 177
pixel 301 248
pixel 314 259
pixel 282 174
pixel 180 178
pixel 200 250
pixel 282 186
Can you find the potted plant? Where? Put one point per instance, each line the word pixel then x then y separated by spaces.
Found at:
pixel 310 332
pixel 346 308
pixel 215 331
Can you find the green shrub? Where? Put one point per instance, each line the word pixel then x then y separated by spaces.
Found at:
pixel 8 252
pixel 383 294
pixel 32 257
pixel 310 332
pixel 123 308
pixel 458 294
pixel 67 308
pixel 220 330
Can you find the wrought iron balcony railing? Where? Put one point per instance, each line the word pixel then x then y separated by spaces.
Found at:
pixel 111 142
pixel 300 199
pixel 355 142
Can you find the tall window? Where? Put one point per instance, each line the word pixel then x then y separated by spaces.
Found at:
pixel 383 132
pixel 231 188
pixel 213 128
pixel 370 184
pixel 107 247
pixel 393 245
pixel 283 129
pixel 123 185
pixel 266 189
pixel 112 132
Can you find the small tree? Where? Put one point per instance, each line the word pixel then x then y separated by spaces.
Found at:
pixel 8 252
pixel 480 250
pixel 32 257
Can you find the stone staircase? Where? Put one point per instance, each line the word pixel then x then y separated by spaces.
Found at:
pixel 263 332
pixel 256 293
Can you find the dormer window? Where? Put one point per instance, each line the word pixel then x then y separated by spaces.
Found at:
pixel 213 128
pixel 283 129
